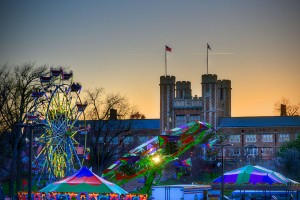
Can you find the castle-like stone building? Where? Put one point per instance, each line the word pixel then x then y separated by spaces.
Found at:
pixel 253 137
pixel 178 106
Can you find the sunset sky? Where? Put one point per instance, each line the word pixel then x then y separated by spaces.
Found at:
pixel 119 45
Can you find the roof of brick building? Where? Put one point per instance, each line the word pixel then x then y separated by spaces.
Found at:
pixel 274 121
pixel 133 123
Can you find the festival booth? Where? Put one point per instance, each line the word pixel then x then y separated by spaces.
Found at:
pixel 255 178
pixel 83 185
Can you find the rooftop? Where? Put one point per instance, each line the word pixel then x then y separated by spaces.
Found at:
pixel 273 121
pixel 134 123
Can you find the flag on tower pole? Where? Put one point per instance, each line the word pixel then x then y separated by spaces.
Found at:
pixel 208 47
pixel 170 50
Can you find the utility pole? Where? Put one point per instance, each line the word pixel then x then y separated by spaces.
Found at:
pixel 222 157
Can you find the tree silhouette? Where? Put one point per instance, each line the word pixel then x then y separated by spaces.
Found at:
pixel 290 109
pixel 16 86
pixel 109 117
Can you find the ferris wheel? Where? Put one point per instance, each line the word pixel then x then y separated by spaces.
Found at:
pixel 60 150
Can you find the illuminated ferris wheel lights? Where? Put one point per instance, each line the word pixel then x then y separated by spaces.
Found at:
pixel 58 102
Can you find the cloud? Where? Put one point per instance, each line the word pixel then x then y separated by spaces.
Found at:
pixel 214 53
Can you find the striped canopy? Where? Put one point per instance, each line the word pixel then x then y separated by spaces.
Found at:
pixel 253 175
pixel 84 181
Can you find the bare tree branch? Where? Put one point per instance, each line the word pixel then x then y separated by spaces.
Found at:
pixel 108 135
pixel 17 83
pixel 291 110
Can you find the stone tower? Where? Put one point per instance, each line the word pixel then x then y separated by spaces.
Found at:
pixel 209 96
pixel 224 98
pixel 178 106
pixel 183 90
pixel 167 95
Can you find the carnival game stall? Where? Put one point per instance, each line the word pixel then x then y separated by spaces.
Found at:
pixel 254 175
pixel 256 178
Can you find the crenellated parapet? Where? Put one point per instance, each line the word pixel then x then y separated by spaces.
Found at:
pixel 167 80
pixel 209 78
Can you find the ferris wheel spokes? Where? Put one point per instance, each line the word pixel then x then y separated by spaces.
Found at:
pixel 58 103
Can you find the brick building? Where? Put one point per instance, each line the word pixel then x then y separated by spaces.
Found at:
pixel 178 106
pixel 252 137
pixel 258 137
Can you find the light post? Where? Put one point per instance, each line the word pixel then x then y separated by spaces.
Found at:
pixel 242 149
pixel 30 126
pixel 222 147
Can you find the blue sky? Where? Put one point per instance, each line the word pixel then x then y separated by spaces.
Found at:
pixel 119 45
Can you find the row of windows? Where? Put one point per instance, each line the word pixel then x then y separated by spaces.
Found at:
pixel 249 151
pixel 127 140
pixel 184 119
pixel 232 138
pixel 264 138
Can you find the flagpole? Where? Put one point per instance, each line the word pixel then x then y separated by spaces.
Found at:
pixel 166 64
pixel 165 61
pixel 207 58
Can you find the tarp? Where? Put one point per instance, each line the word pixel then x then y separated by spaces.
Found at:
pixel 253 175
pixel 84 181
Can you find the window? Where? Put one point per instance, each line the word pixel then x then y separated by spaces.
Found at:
pixel 221 92
pixel 284 138
pixel 267 138
pixel 194 117
pixel 128 140
pixel 114 153
pixel 267 151
pixel 250 138
pixel 234 138
pixel 114 140
pixel 235 151
pixel 220 152
pixel 251 150
pixel 100 139
pixel 184 119
pixel 143 139
pixel 180 120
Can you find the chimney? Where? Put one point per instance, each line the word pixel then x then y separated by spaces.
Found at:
pixel 282 110
pixel 113 114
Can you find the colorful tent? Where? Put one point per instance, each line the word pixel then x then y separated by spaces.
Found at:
pixel 84 181
pixel 253 175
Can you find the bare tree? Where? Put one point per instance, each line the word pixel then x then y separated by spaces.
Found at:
pixel 17 83
pixel 5 88
pixel 290 109
pixel 137 115
pixel 108 127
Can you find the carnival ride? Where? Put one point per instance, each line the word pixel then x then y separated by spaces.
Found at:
pixel 149 159
pixel 57 150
